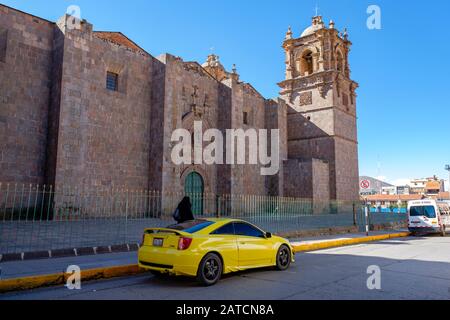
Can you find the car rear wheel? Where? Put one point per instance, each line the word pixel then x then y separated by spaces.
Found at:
pixel 283 258
pixel 209 270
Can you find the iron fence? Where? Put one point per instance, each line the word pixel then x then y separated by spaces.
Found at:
pixel 38 218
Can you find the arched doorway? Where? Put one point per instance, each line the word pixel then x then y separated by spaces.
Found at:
pixel 194 189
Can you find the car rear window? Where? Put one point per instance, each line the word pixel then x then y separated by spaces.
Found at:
pixel 191 226
pixel 423 211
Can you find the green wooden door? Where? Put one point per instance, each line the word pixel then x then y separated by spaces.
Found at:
pixel 194 189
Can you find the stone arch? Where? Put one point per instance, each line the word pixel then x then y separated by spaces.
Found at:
pixel 188 122
pixel 201 171
pixel 340 61
pixel 194 188
pixel 306 61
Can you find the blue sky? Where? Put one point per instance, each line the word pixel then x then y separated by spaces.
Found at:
pixel 402 69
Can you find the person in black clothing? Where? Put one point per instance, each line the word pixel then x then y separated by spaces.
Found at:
pixel 184 211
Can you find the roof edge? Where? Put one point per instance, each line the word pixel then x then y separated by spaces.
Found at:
pixel 118 32
pixel 27 14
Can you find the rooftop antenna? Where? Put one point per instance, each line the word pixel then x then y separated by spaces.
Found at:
pixel 317 10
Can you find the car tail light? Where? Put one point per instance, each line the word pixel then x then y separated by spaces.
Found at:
pixel 184 243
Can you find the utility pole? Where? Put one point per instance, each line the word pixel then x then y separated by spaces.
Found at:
pixel 447 167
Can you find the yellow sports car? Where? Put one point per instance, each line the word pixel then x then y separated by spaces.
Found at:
pixel 208 248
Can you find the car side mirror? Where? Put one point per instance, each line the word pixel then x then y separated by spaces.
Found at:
pixel 268 235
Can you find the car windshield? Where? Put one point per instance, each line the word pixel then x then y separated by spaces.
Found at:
pixel 423 211
pixel 191 226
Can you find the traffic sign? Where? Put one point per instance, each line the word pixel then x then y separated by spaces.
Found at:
pixel 365 184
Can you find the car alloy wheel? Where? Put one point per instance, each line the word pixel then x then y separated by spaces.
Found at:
pixel 283 258
pixel 210 269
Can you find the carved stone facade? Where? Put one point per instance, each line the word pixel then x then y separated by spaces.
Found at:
pixel 317 65
pixel 306 98
pixel 60 125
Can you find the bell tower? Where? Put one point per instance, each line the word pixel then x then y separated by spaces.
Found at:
pixel 322 100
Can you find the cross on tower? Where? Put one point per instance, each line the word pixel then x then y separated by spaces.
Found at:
pixel 317 10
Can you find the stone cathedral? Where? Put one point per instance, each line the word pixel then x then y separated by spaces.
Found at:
pixel 92 109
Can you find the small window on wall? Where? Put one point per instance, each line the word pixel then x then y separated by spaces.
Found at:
pixel 3 43
pixel 112 81
pixel 246 118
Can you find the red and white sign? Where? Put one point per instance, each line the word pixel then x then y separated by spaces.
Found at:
pixel 365 184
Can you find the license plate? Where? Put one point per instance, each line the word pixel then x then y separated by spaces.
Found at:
pixel 158 242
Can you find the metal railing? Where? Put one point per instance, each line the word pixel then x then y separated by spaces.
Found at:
pixel 38 218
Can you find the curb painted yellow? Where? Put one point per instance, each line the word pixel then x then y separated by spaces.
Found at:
pixel 34 282
pixel 304 247
pixel 31 282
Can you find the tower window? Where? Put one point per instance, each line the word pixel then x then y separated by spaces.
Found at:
pixel 246 118
pixel 340 62
pixel 112 81
pixel 306 64
pixel 3 43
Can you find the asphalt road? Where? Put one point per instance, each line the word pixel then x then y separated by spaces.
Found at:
pixel 411 268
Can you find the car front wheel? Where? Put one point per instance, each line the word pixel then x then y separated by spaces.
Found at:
pixel 209 270
pixel 283 258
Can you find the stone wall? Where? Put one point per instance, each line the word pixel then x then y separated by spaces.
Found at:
pixel 103 136
pixel 347 170
pixel 276 118
pixel 25 82
pixel 308 179
pixel 254 105
pixel 187 84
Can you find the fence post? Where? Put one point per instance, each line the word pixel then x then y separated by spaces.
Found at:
pixel 354 215
pixel 218 199
pixel 366 211
pixel 126 218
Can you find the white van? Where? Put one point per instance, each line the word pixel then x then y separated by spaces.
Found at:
pixel 427 216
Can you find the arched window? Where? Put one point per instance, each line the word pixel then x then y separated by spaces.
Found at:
pixel 305 63
pixel 340 62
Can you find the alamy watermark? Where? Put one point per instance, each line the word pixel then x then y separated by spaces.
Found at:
pixel 189 148
pixel 74 280
pixel 74 23
pixel 374 281
pixel 374 20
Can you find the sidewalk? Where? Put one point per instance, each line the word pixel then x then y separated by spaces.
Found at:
pixel 21 269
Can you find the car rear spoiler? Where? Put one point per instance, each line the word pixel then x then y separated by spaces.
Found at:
pixel 168 230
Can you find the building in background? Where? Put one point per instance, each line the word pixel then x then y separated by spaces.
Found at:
pixel 403 190
pixel 389 190
pixel 389 202
pixel 391 198
pixel 427 186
